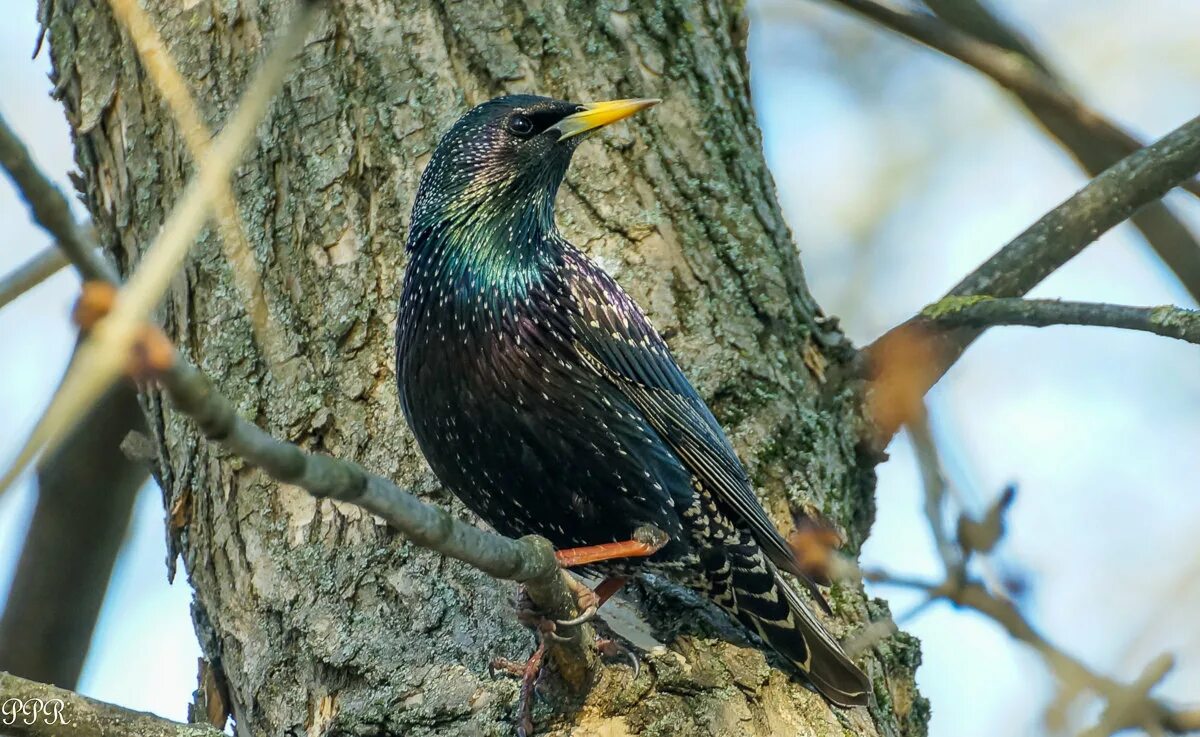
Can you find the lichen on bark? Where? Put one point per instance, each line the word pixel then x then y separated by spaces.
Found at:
pixel 322 621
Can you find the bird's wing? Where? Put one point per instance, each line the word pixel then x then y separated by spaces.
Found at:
pixel 618 341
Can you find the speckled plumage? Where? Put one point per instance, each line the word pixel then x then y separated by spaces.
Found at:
pixel 545 400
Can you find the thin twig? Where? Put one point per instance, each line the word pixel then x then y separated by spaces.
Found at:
pixel 982 312
pixel 32 273
pixel 985 43
pixel 933 481
pixel 164 72
pixel 1010 69
pixel 49 207
pixel 100 360
pixel 1056 238
pixel 1094 142
pixel 1070 671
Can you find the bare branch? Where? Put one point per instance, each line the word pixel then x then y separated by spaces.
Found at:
pixel 1127 705
pixel 529 561
pixel 1015 71
pixel 31 709
pixel 1056 238
pixel 32 273
pixel 86 491
pixel 983 312
pixel 987 45
pixel 1106 201
pixel 1095 143
pixel 49 208
pixel 933 480
pixel 101 359
pixel 1182 721
pixel 164 72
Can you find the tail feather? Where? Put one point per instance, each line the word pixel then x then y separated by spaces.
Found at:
pixel 749 587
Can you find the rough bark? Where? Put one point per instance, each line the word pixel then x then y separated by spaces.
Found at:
pixel 321 620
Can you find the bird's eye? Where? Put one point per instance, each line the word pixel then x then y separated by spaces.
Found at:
pixel 520 125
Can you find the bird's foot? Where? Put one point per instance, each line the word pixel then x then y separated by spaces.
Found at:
pixel 530 673
pixel 647 540
pixel 613 649
pixel 586 601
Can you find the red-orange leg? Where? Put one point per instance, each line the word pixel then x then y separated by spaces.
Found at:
pixel 646 541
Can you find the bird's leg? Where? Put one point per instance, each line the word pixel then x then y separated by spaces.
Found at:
pixel 530 616
pixel 589 601
pixel 586 601
pixel 529 672
pixel 607 588
pixel 647 540
pixel 606 646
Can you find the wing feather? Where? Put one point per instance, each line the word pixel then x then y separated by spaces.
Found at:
pixel 617 340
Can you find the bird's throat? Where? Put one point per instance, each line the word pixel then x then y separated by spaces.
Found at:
pixel 485 245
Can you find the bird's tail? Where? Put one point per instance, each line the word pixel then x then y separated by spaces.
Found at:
pixel 749 587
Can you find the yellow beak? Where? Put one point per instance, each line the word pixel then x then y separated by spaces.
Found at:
pixel 597 114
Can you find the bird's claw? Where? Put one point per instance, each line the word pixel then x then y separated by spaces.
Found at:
pixel 530 674
pixel 528 614
pixel 586 601
pixel 547 629
pixel 506 666
pixel 613 649
pixel 587 615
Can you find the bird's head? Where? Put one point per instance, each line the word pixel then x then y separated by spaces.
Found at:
pixel 506 157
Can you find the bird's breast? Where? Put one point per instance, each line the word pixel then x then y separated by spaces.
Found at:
pixel 479 350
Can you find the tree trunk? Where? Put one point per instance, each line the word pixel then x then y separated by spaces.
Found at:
pixel 323 621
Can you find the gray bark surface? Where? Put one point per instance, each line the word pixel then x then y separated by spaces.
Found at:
pixel 322 621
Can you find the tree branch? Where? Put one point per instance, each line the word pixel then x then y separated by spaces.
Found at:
pixel 983 312
pixel 987 45
pixel 100 359
pixel 1106 201
pixel 31 709
pixel 1018 71
pixel 86 490
pixel 1126 705
pixel 32 273
pixel 1056 238
pixel 161 68
pixel 49 208
pixel 529 560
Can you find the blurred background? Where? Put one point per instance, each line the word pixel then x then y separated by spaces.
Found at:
pixel 899 171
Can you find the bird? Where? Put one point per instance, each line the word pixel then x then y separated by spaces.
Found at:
pixel 543 398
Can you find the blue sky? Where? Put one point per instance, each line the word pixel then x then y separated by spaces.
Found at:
pixel 899 172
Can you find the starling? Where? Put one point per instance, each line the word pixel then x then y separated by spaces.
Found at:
pixel 543 398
